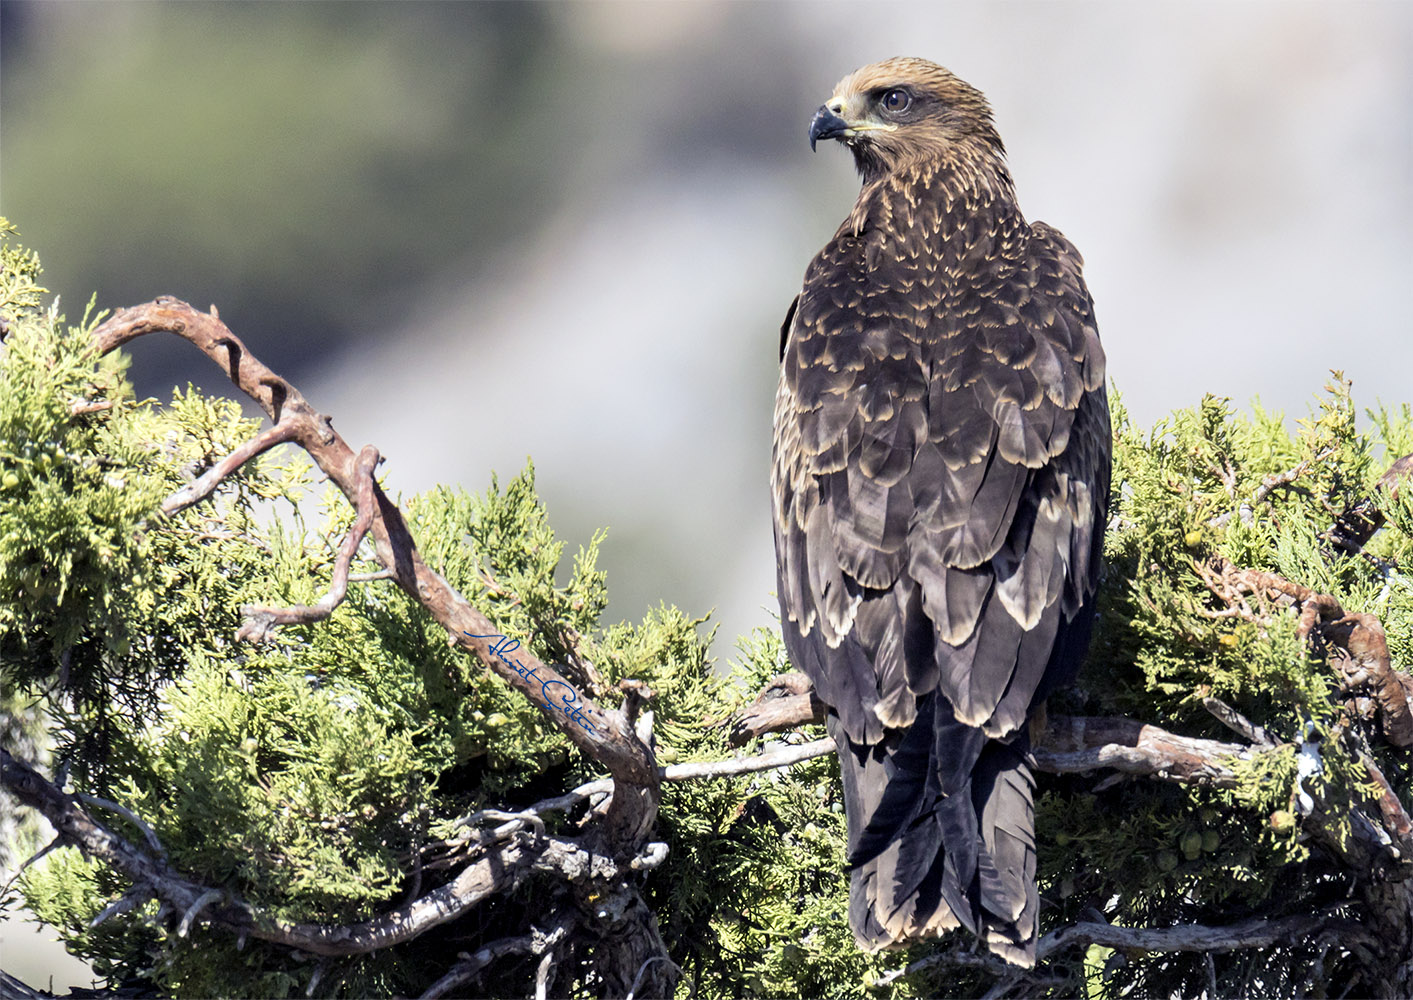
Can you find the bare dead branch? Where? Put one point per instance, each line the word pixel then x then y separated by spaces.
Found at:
pixel 1068 744
pixel 9 985
pixel 1237 722
pixel 55 842
pixel 130 900
pixel 585 792
pixel 260 623
pixel 601 734
pixel 582 666
pixel 787 702
pixel 130 816
pixel 496 871
pixel 1314 607
pixel 1344 934
pixel 194 910
pixel 643 970
pixel 514 822
pixel 783 757
pixel 1361 655
pixel 1074 744
pixel 511 822
pixel 1269 485
pixel 1196 937
pixel 382 574
pixel 1355 644
pixel 1279 479
pixel 79 407
pixel 1396 818
pixel 652 857
pixel 471 964
pixel 201 488
pixel 542 975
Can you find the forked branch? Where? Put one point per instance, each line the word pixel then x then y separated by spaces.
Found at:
pixel 602 734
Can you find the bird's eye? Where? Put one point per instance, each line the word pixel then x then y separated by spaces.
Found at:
pixel 896 101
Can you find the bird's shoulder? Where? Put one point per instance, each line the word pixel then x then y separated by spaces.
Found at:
pixel 999 343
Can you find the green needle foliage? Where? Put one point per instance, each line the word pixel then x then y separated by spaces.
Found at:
pixel 1150 854
pixel 321 777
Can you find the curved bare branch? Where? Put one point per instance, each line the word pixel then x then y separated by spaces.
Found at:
pixel 602 734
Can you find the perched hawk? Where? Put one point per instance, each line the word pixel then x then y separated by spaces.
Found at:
pixel 940 482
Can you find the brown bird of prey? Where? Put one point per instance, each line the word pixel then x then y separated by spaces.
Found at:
pixel 940 483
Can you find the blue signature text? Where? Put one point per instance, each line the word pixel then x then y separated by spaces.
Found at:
pixel 559 694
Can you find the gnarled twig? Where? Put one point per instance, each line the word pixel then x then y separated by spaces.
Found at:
pixel 260 622
pixel 1355 643
pixel 601 734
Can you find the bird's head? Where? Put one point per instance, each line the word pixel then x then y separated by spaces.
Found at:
pixel 906 111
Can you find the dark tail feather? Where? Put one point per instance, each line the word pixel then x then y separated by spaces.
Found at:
pixel 926 860
pixel 1003 791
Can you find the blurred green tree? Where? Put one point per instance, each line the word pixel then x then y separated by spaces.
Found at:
pixel 242 145
pixel 260 791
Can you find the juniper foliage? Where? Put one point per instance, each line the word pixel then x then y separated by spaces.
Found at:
pixel 322 776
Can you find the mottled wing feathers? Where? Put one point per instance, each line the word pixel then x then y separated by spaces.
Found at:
pixel 924 438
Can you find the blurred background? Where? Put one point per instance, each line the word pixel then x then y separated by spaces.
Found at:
pixel 477 232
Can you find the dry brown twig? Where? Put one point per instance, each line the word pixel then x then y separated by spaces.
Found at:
pixel 602 734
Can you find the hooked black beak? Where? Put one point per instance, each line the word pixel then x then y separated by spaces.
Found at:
pixel 826 125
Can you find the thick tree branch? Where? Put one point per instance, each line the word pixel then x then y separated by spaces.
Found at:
pixel 1068 744
pixel 1074 744
pixel 783 757
pixel 1196 937
pixel 13 989
pixel 1345 935
pixel 602 734
pixel 1185 937
pixel 493 872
